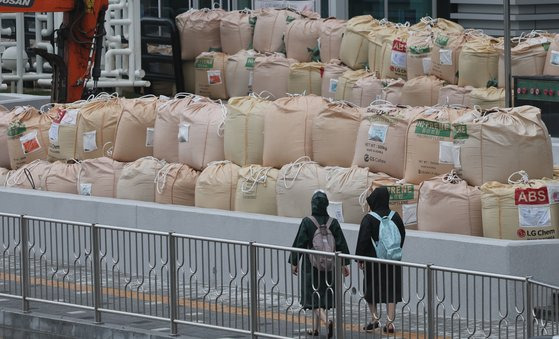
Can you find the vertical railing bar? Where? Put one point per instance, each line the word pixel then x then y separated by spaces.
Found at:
pixel 430 303
pixel 529 308
pixel 338 295
pixel 172 284
pixel 253 291
pixel 24 264
pixel 96 273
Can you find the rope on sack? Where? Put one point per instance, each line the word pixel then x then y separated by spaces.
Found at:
pixel 524 179
pixel 261 95
pixel 452 178
pixel 43 108
pixel 298 166
pixel 12 180
pixel 108 152
pixel 255 177
pixel 161 177
pixel 221 126
pixel 363 198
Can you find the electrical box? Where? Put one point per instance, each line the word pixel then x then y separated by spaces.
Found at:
pixel 541 92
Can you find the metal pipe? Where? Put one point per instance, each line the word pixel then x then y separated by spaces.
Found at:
pixel 24 263
pixel 253 290
pixel 20 41
pixel 173 305
pixel 508 87
pixel 431 331
pixel 529 306
pixel 96 272
pixel 386 9
pixel 338 296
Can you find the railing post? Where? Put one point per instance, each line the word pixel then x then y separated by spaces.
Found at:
pixel 96 272
pixel 23 233
pixel 253 268
pixel 338 287
pixel 529 307
pixel 172 283
pixel 430 303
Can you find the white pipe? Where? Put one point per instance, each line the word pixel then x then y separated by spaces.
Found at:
pixel 20 40
pixel 27 77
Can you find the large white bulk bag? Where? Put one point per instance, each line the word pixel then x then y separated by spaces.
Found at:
pixel 239 73
pixel 346 82
pixel 305 78
pixel 445 55
pixel 455 95
pixel 61 177
pixel 393 60
pixel 384 32
pixel 137 179
pixel 5 118
pixel 175 184
pixel 62 132
pixel 256 190
pixel 236 31
pixel 418 56
pixel 199 31
pixel 330 39
pixel 216 186
pixel 355 46
pixel 487 98
pixel 479 63
pixel 201 134
pixel 271 74
pixel 392 91
pixel 270 28
pixel 421 91
pixel 447 204
pixel 99 177
pixel 366 90
pixel 332 72
pixel 28 176
pixel 301 39
pixel 551 66
pixel 403 198
pixel 296 184
pixel 210 76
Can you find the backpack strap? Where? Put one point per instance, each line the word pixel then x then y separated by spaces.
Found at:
pixel 315 222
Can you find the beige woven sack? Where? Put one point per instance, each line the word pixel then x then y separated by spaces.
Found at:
pixel 489 148
pixel 137 179
pixel 62 132
pixel 487 98
pixel 96 127
pixel 239 73
pixel 429 144
pixel 343 187
pixel 418 56
pixel 3 176
pixel 479 63
pixel 392 91
pixel 28 176
pixel 28 138
pixel 445 56
pixel 201 134
pixel 346 82
pixel 454 95
pixel 385 32
pixel 366 90
pixel 199 31
pixel 330 77
pixel 447 204
pixel 301 39
pixel 297 182
pixel 521 209
pixel 381 138
pixel 61 177
pixel 216 186
pixel 403 198
pixel 271 74
pixel 270 29
pixel 421 91
pixel 305 78
pixel 175 184
pixel 5 118
pixel 393 60
pixel 288 129
pixel 236 29
pixel 244 129
pixel 330 39
pixel 355 45
pixel 551 66
pixel 210 75
pixel 437 25
pixel 135 129
pixel 256 190
pixel 334 131
pixel 99 177
pixel 189 75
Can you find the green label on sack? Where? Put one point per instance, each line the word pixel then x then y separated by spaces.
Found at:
pixel 252 21
pixel 204 63
pixel 16 128
pixel 461 132
pixel 289 19
pixel 442 40
pixel 401 192
pixel 250 62
pixel 433 128
pixel 546 46
pixel 420 50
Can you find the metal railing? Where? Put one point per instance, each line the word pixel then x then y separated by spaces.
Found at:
pixel 249 288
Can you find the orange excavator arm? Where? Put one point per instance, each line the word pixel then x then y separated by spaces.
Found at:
pixel 79 42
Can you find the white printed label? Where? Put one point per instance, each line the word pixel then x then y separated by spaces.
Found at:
pixel 333 86
pixel 30 142
pixel 399 59
pixel 53 134
pixel 426 65
pixel 184 131
pixel 250 78
pixel 554 58
pixel 534 216
pixel 19 110
pixel 90 141
pixel 446 152
pixel 553 190
pixel 456 150
pixel 149 136
pixel 377 132
pixel 445 56
pixel 335 210
pixel 85 189
pixel 70 117
pixel 214 77
pixel 409 213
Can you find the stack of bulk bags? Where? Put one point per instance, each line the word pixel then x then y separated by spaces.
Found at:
pixel 135 129
pixel 199 31
pixel 343 186
pixel 551 66
pixel 455 95
pixel 216 186
pixel 520 210
pixel 301 39
pixel 288 129
pixel 236 30
pixel 381 139
pixel 256 190
pixel 421 91
pixel 429 144
pixel 305 78
pixel 355 46
pixel 403 198
pixel 244 129
pixel 270 29
pixel 28 135
pixel 3 176
pixel 447 204
pixel 99 177
pixel 489 148
pixel 487 98
pixel 366 90
pixel 96 127
pixel 478 65
pixel 334 131
pixel 271 74
pixel 330 39
pixel 393 60
pixel 346 82
pixel 332 72
pixel 166 127
pixel 201 134
pixel 210 75
pixel 175 184
pixel 62 132
pixel 239 73
pixel 137 179
pixel 392 91
pixel 527 55
pixel 29 175
pixel 380 34
pixel 296 184
pixel 445 55
pixel 61 177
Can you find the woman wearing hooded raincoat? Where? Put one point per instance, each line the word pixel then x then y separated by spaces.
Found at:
pixel 382 282
pixel 317 287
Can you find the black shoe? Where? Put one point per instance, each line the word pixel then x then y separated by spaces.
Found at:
pixel 330 329
pixel 390 329
pixel 370 327
pixel 313 333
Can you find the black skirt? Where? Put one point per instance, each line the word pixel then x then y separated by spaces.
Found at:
pixel 383 283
